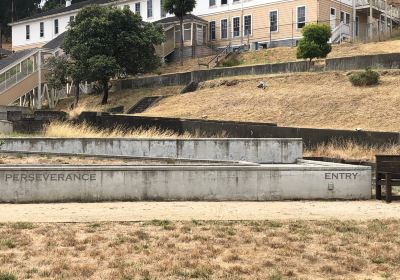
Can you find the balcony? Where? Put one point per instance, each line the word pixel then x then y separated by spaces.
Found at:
pixel 381 7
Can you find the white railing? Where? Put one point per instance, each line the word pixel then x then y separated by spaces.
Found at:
pixel 340 32
pixel 383 6
pixel 16 78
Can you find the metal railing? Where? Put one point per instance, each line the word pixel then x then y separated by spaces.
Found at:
pixel 16 78
pixel 341 32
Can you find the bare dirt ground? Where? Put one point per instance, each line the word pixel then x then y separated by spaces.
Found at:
pixel 187 211
pixel 165 249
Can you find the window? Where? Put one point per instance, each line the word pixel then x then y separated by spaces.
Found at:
pixel 357 25
pixel 333 11
pixel 137 8
pixel 212 3
pixel 187 31
pixel 273 21
pixel 236 1
pixel 224 2
pixel 56 26
pixel 71 19
pixel 163 12
pixel 126 7
pixel 247 25
pixel 41 29
pixel 224 29
pixel 149 8
pixel 212 30
pixel 301 17
pixel 236 26
pixel 345 18
pixel 27 32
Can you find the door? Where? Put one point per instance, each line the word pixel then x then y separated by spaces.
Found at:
pixel 332 18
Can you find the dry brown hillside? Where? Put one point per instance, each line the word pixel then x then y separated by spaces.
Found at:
pixel 322 100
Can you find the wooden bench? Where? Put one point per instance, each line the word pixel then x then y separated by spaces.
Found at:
pixel 387 174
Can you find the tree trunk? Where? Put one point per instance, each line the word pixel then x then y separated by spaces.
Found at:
pixel 182 43
pixel 77 89
pixel 105 93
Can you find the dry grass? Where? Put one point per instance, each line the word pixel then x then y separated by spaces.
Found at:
pixel 126 98
pixel 349 150
pixel 319 100
pixel 68 130
pixel 202 250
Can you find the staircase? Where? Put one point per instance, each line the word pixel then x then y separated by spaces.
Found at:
pixel 220 56
pixel 144 104
pixel 340 33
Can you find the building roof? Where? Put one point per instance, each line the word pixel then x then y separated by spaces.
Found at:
pixel 55 43
pixel 72 7
pixel 13 58
pixel 4 52
pixel 171 20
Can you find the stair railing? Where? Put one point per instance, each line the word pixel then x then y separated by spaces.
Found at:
pixel 220 55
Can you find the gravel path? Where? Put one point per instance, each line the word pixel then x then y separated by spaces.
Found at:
pixel 144 211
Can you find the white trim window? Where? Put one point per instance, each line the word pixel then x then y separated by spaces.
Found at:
pixel 56 29
pixel 224 2
pixel 27 32
pixel 212 3
pixel 344 17
pixel 71 19
pixel 41 24
pixel 149 8
pixel 236 26
pixel 301 17
pixel 137 8
pixel 247 25
pixel 163 11
pixel 273 21
pixel 224 28
pixel 213 34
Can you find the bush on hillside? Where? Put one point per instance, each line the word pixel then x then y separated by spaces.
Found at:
pixel 366 78
pixel 314 43
pixel 230 61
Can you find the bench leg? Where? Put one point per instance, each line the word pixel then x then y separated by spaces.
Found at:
pixel 388 179
pixel 378 188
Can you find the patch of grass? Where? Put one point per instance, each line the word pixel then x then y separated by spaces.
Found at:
pixel 7 276
pixel 231 60
pixel 165 224
pixel 366 78
pixel 22 225
pixel 377 260
pixel 7 243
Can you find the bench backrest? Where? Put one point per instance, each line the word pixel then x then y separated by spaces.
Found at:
pixel 385 163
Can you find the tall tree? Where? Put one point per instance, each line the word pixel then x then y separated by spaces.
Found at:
pixel 103 39
pixel 180 8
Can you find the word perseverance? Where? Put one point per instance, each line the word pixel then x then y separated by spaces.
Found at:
pixel 341 176
pixel 50 177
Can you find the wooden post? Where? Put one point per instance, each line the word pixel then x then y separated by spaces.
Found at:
pixel 378 187
pixel 388 179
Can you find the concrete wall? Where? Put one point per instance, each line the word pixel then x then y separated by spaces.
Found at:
pixel 208 128
pixel 385 61
pixel 6 127
pixel 252 150
pixel 106 183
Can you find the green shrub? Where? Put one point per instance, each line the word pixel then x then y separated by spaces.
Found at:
pixel 366 78
pixel 230 61
pixel 7 276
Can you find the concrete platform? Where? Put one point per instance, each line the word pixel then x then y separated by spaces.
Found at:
pixel 264 182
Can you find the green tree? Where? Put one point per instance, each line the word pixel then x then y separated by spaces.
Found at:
pixel 103 39
pixel 180 8
pixel 314 43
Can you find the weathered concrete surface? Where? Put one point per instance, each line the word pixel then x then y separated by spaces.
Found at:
pixel 306 180
pixel 6 127
pixel 262 150
pixel 198 210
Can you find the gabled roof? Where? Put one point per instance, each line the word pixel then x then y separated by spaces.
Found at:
pixel 172 20
pixel 4 52
pixel 55 43
pixel 72 7
pixel 13 58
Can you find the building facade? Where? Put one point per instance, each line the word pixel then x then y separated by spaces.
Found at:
pixel 257 23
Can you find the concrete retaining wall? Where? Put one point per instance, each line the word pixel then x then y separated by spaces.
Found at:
pixel 267 182
pixel 208 128
pixel 6 127
pixel 251 150
pixel 385 61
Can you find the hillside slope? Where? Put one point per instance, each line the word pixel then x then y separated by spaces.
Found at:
pixel 321 100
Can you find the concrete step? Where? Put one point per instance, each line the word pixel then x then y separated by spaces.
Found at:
pixel 144 104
